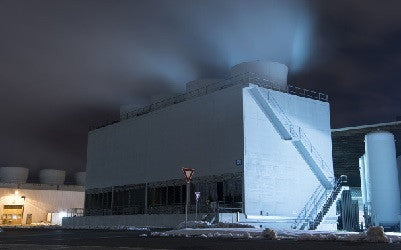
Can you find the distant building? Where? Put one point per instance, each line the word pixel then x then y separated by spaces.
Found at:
pixel 48 202
pixel 349 145
pixel 260 147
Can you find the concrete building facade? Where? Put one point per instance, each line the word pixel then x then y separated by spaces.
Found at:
pixel 260 147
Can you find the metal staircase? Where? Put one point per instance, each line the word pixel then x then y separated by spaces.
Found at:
pixel 317 206
pixel 325 194
pixel 289 131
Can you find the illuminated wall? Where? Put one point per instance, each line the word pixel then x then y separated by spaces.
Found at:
pixel 277 180
pixel 40 202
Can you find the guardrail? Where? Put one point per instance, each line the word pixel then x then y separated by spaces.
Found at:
pixel 244 78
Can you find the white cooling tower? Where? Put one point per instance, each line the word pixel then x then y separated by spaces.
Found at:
pixel 382 181
pixel 275 72
pixel 52 176
pixel 13 174
pixel 363 179
pixel 80 178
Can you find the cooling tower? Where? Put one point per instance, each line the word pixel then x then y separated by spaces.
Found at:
pixel 382 181
pixel 52 176
pixel 13 174
pixel 272 71
pixel 80 178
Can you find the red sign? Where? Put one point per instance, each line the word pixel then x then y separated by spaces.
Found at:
pixel 188 172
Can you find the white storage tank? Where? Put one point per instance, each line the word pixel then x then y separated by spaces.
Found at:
pixel 13 174
pixel 363 178
pixel 399 172
pixel 274 72
pixel 382 181
pixel 52 176
pixel 80 178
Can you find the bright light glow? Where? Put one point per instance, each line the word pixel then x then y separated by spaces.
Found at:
pixel 63 214
pixel 16 192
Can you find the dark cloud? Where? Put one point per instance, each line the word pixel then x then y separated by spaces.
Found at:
pixel 67 64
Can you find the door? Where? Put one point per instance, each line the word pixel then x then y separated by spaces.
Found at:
pixel 28 219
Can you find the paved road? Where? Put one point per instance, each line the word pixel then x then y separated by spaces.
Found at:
pixel 98 239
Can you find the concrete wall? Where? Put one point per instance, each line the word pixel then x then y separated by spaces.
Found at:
pixel 40 202
pixel 277 180
pixel 205 133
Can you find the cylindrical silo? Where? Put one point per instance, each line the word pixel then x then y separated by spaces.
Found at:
pixel 80 178
pixel 274 72
pixel 13 174
pixel 363 179
pixel 52 176
pixel 382 181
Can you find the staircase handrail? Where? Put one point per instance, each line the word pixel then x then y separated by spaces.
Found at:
pixel 316 201
pixel 297 132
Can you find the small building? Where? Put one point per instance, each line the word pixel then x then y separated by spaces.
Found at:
pixel 48 202
pixel 261 150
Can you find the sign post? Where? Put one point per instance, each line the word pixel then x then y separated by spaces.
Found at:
pixel 197 195
pixel 188 172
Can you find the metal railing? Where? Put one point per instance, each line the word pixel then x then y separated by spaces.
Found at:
pixel 244 78
pixel 316 203
pixel 297 132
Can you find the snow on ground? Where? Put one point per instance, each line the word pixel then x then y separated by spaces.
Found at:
pixel 126 228
pixel 372 235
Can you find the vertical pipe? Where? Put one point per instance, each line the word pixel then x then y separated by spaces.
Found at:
pixel 146 199
pixel 186 205
pixel 363 179
pixel 112 200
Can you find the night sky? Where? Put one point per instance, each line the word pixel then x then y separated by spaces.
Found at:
pixel 65 65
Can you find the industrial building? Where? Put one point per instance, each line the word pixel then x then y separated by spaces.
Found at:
pixel 261 150
pixel 349 145
pixel 368 156
pixel 46 202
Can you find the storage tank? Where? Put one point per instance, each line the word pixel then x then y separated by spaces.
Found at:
pixel 13 174
pixel 382 181
pixel 274 72
pixel 399 172
pixel 80 178
pixel 52 176
pixel 363 178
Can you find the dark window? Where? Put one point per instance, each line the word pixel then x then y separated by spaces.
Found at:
pixel 177 195
pixel 220 192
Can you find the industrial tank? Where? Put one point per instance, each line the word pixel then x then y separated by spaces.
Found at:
pixel 363 178
pixel 13 174
pixel 80 178
pixel 52 176
pixel 382 181
pixel 275 72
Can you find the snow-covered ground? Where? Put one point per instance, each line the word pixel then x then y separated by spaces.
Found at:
pixel 373 235
pixel 127 228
